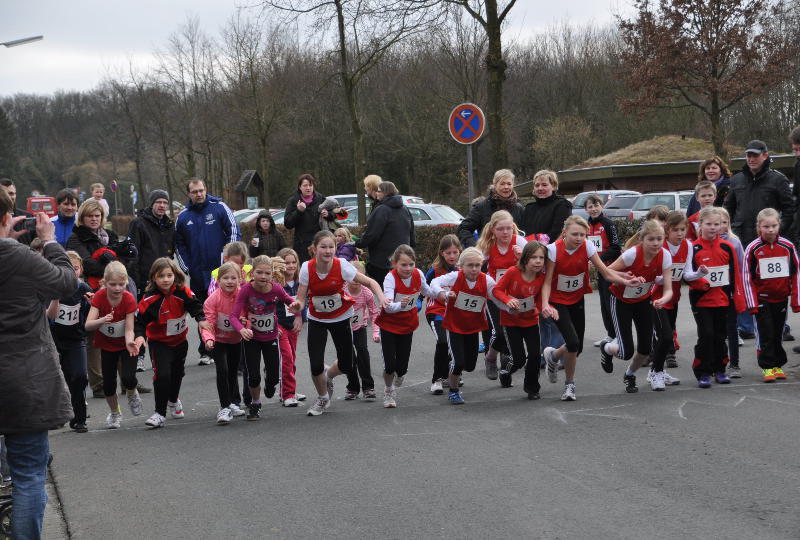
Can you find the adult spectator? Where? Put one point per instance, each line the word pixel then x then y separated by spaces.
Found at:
pixel 755 187
pixel 19 232
pixel 371 184
pixel 547 213
pixel 153 233
pixel 717 171
pixel 387 227
pixel 303 214
pixel 501 196
pixel 64 221
pixel 33 394
pixel 794 139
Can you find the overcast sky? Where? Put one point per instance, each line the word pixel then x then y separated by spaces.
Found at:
pixel 84 38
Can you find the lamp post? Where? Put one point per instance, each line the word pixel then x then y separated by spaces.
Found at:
pixel 23 41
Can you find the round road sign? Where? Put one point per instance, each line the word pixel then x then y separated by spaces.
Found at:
pixel 467 123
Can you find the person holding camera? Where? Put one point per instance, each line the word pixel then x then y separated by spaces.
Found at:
pixel 24 229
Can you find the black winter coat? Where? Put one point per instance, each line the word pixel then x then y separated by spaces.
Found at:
pixel 479 215
pixel 796 193
pixel 305 223
pixel 546 216
pixel 750 194
pixel 154 238
pixel 387 227
pixel 84 242
pixel 269 242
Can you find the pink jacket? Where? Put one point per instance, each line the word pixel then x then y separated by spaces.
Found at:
pixel 217 308
pixel 365 305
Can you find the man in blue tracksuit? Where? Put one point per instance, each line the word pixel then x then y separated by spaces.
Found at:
pixel 201 231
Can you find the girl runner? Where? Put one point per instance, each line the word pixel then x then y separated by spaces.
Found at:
pixel 364 311
pixel 290 325
pixel 445 262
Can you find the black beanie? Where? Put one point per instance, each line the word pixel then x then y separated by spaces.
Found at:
pixel 155 195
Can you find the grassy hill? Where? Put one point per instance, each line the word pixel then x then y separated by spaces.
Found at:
pixel 658 150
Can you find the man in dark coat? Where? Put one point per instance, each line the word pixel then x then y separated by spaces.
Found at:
pixel 153 233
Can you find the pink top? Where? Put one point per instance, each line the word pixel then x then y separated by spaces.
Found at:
pixel 364 308
pixel 218 308
pixel 260 310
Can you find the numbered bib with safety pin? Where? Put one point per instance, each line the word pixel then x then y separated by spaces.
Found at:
pixel 499 274
pixel 68 315
pixel 718 276
pixel 773 267
pixel 176 326
pixel 115 329
pixel 327 304
pixel 597 241
pixel 358 317
pixel 677 271
pixel 569 283
pixel 638 291
pixel 470 302
pixel 224 323
pixel 527 304
pixel 412 301
pixel 262 323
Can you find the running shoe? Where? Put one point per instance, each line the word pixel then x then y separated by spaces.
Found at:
pixel 329 383
pixel 236 410
pixel 768 375
pixel 734 372
pixel 704 381
pixel 175 409
pixel 398 381
pixel 491 368
pixel 669 380
pixel 505 378
pixel 552 363
pixel 140 364
pixel 599 342
pixel 569 392
pixel 606 359
pixel 205 361
pixel 656 380
pixel 721 378
pixel 779 374
pixel 135 403
pixel 254 411
pixel 670 361
pixel 224 416
pixel 455 398
pixel 388 399
pixel 350 396
pixel 532 394
pixel 740 341
pixel 436 388
pixel 318 407
pixel 291 401
pixel 79 427
pixel 369 394
pixel 114 420
pixel 155 421
pixel 630 384
pixel 299 396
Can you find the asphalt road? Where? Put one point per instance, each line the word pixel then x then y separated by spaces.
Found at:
pixel 684 463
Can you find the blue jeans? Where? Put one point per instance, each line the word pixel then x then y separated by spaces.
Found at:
pixel 549 334
pixel 27 459
pixel 745 322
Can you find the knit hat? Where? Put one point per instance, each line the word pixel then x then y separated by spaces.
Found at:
pixel 155 195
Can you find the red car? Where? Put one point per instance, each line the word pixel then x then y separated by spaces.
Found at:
pixel 42 204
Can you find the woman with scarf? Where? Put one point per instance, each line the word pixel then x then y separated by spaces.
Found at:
pixel 501 196
pixel 304 215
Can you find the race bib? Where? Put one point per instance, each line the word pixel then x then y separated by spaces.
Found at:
pixel 499 274
pixel 262 323
pixel 597 241
pixel 677 271
pixel 638 291
pixel 115 329
pixel 470 302
pixel 176 326
pixel 718 275
pixel 327 304
pixel 358 318
pixel 527 304
pixel 412 301
pixel 569 283
pixel 224 323
pixel 773 267
pixel 68 315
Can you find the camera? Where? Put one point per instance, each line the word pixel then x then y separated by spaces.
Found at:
pixel 29 224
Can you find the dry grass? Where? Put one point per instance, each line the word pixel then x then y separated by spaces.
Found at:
pixel 658 150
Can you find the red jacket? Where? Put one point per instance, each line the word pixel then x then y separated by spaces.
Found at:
pixel 724 279
pixel 513 285
pixel 162 317
pixel 770 273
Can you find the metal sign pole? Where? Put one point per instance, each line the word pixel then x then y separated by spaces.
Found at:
pixel 470 189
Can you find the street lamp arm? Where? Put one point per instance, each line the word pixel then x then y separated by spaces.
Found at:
pixel 22 41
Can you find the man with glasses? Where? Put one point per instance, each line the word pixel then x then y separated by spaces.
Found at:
pixel 153 232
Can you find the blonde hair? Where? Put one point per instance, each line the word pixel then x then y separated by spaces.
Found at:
pixel 227 268
pixel 704 184
pixel 114 269
pixel 262 260
pixel 707 212
pixel 74 256
pixel 501 174
pixel 470 253
pixel 659 212
pixel 574 219
pixel 91 206
pixel 551 177
pixel 278 270
pixel 764 214
pixel 403 249
pixel 725 215
pixel 651 226
pixel 487 239
pixel 235 249
pixel 372 181
pixel 289 251
pixel 359 266
pixel 97 185
pixel 345 231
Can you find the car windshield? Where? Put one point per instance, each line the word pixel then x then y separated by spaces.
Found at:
pixel 646 202
pixel 685 198
pixel 448 213
pixel 418 214
pixel 244 215
pixel 621 203
pixel 278 217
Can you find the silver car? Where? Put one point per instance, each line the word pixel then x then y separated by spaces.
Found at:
pixel 605 194
pixel 620 206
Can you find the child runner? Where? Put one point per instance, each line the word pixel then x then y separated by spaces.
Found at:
pixel 290 325
pixel 235 252
pixel 224 342
pixel 725 233
pixel 364 312
pixel 465 293
pixel 330 309
pixel 162 320
pixel 710 307
pixel 258 299
pixel 112 315
pixel 770 276
pixel 603 234
pixel 566 282
pixel 520 289
pixel 706 193
pixel 398 320
pixel 445 262
pixel 501 245
pixel 631 306
pixel 345 248
pixel 67 325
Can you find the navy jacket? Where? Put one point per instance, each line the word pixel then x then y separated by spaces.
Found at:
pixel 201 231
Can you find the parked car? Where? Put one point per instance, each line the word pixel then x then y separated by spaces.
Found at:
pixel 42 204
pixel 433 214
pixel 351 199
pixel 671 199
pixel 604 194
pixel 246 215
pixel 619 207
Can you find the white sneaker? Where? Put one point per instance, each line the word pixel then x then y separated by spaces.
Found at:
pixel 329 383
pixel 569 392
pixel 669 380
pixel 175 409
pixel 235 410
pixel 552 363
pixel 135 403
pixel 290 402
pixel 656 380
pixel 299 397
pixel 114 420
pixel 388 399
pixel 436 388
pixel 599 342
pixel 224 416
pixel 155 421
pixel 140 364
pixel 398 381
pixel 319 406
pixel 205 361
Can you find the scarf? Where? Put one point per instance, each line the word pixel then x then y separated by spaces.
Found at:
pixel 503 203
pixel 102 235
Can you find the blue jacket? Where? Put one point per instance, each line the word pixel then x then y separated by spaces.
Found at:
pixel 64 227
pixel 201 231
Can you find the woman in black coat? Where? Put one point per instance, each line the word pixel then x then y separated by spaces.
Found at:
pixel 546 214
pixel 303 215
pixel 501 196
pixel 88 236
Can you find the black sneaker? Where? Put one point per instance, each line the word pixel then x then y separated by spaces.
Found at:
pixel 253 411
pixel 606 360
pixel 671 362
pixel 269 391
pixel 533 395
pixel 630 384
pixel 787 336
pixel 505 378
pixel 80 427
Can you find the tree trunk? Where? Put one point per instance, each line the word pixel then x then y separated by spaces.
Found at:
pixel 139 180
pixel 717 137
pixel 264 160
pixel 496 68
